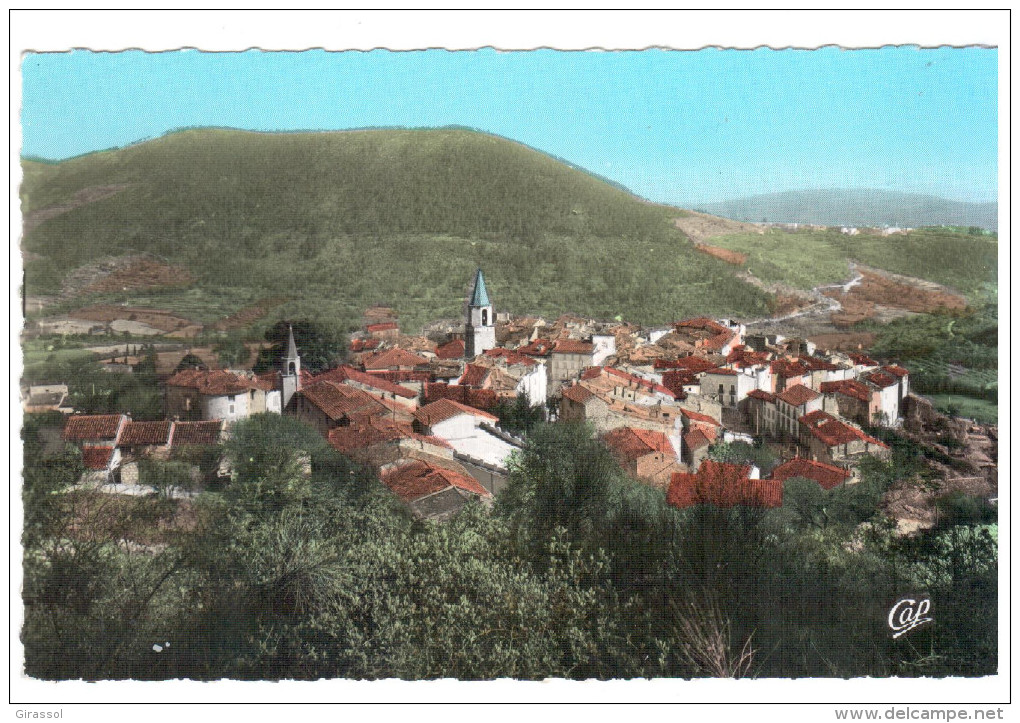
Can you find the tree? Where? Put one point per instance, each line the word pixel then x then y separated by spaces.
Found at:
pixel 231 352
pixel 518 416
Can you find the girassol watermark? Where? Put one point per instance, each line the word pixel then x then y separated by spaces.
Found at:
pixel 908 614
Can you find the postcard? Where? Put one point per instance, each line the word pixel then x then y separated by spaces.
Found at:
pixel 410 373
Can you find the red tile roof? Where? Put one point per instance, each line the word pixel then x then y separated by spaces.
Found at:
pixel 217 383
pixel 813 363
pixel 364 344
pixel 721 335
pixel 862 360
pixel 788 369
pixel 826 475
pixel 723 485
pixel 572 346
pixel 629 443
pixel 698 417
pixel 578 393
pixel 832 431
pixel 881 379
pixel 696 439
pixel 393 358
pixel 343 374
pixel 722 371
pixel 451 350
pixel 445 409
pixel 847 387
pixel 96 457
pixel 477 398
pixel 511 357
pixel 417 479
pixel 376 430
pixel 762 395
pixel 80 427
pixel 797 395
pixel 539 347
pixel 145 434
pixel 638 382
pixel 197 433
pixel 591 373
pixel 381 326
pixel 337 401
pixel 474 375
pixel 397 375
pixel 676 379
pixel 896 370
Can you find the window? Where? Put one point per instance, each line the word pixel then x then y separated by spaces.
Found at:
pixel 231 411
pixel 485 317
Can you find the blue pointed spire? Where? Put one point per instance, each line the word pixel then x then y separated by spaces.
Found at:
pixel 480 297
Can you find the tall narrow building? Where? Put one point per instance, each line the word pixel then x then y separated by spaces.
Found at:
pixel 480 326
pixel 290 371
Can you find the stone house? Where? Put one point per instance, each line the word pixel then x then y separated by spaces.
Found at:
pixel 830 440
pixel 432 492
pixel 327 405
pixel 644 454
pixel 197 394
pixel 792 404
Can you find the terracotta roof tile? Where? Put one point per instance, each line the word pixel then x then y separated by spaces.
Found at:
pixel 813 363
pixel 788 369
pixel 629 443
pixel 539 348
pixel 217 383
pixel 572 346
pixel 417 479
pixel 762 395
pixel 207 433
pixel 477 398
pixel 638 382
pixel 862 360
pixel 826 475
pixel 337 401
pixel 699 417
pixel 474 375
pixel 896 370
pixel 145 434
pixel 81 427
pixel 578 393
pixel 344 374
pixel 831 431
pixel 394 358
pixel 381 326
pixel 451 350
pixel 96 457
pixel 510 356
pixel 376 430
pixel 696 439
pixel 881 379
pixel 722 371
pixel 797 395
pixel 444 409
pixel 847 387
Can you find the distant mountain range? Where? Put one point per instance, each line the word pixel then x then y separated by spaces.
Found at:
pixel 869 207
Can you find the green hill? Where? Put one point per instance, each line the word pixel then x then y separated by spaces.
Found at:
pixel 338 221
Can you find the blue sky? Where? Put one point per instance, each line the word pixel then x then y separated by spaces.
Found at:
pixel 673 126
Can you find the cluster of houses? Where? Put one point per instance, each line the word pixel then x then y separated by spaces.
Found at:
pixel 421 410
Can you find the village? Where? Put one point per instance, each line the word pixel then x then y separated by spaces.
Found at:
pixel 422 411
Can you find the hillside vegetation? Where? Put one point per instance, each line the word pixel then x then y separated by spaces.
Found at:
pixel 338 221
pixel 962 261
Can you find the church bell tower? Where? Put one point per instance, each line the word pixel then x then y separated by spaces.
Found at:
pixel 290 372
pixel 480 325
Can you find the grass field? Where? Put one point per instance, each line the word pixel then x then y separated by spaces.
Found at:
pixel 804 259
pixel 980 410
